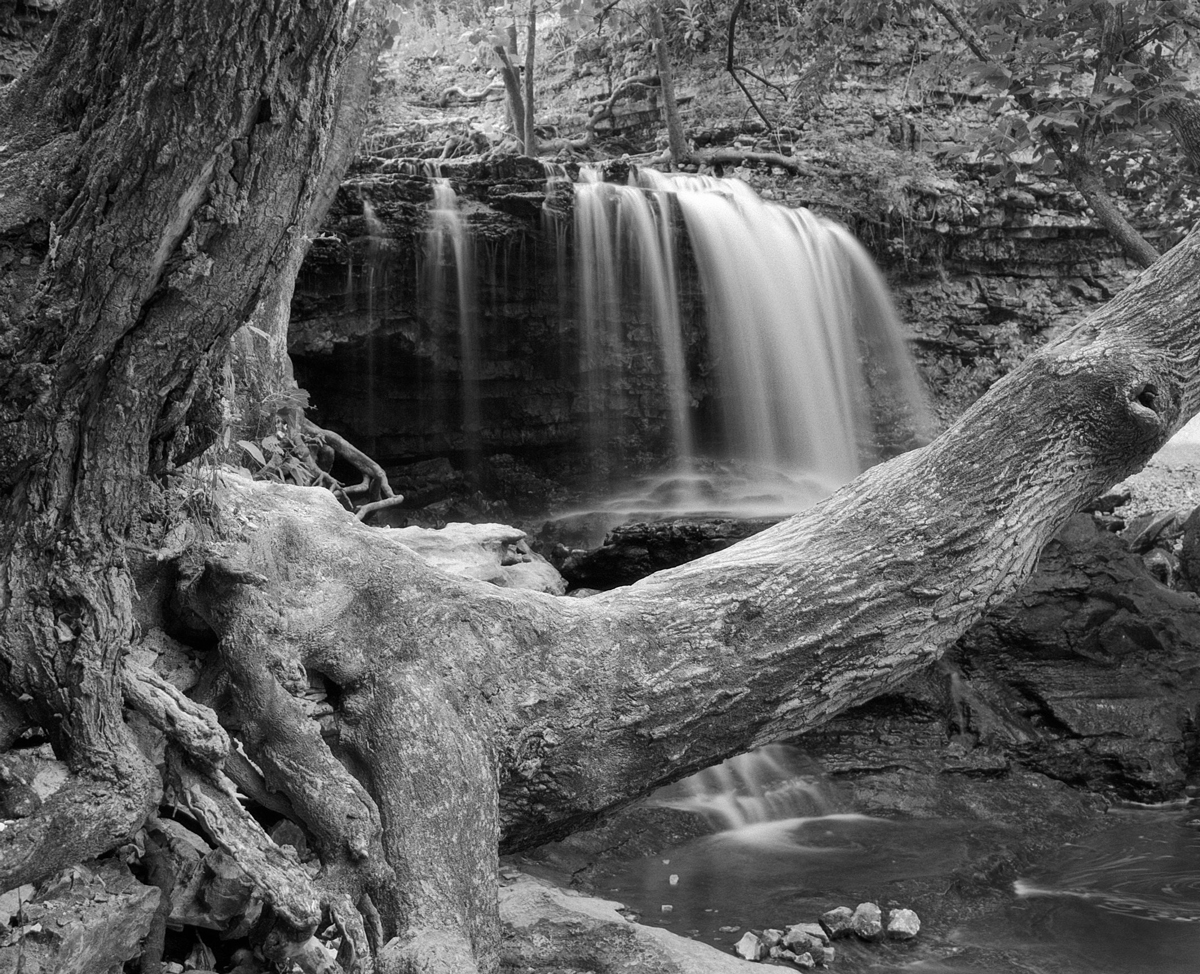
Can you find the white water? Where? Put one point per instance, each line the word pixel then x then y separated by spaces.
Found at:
pixel 793 306
pixel 769 785
pixel 450 244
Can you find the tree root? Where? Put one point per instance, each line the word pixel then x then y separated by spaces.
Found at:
pixel 456 92
pixel 284 883
pixel 192 726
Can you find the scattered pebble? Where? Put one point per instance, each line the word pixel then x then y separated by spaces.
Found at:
pixel 806 945
pixel 867 921
pixel 903 924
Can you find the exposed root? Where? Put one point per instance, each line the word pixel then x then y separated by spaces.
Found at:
pixel 458 93
pixel 192 726
pixel 284 883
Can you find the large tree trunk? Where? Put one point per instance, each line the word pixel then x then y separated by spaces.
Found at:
pixel 157 163
pixel 156 167
pixel 453 693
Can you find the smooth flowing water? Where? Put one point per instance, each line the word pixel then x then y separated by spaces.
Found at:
pixel 1126 900
pixel 452 272
pixel 744 329
pixel 794 309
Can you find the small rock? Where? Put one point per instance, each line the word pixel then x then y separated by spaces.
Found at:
pixel 825 958
pixel 805 961
pixel 750 947
pixel 673 879
pixel 666 908
pixel 772 938
pixel 800 940
pixel 867 921
pixel 813 930
pixel 903 924
pixel 836 922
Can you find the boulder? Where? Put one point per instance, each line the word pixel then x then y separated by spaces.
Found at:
pixel 837 922
pixel 633 551
pixel 90 919
pixel 903 924
pixel 751 947
pixel 548 928
pixel 867 921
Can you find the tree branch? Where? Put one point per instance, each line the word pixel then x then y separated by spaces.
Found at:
pixel 1078 169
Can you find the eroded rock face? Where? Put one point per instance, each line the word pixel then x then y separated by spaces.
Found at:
pixel 1088 674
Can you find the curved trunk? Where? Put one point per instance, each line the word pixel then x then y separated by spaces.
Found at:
pixel 155 171
pixel 453 693
pixel 676 140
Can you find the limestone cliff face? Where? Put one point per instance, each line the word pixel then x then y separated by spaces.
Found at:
pixel 981 274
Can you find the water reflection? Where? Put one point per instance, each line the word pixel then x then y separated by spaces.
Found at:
pixel 1123 901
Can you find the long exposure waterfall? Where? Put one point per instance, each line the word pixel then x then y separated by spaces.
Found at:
pixel 793 305
pixel 678 324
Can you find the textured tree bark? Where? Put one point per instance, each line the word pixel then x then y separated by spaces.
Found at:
pixel 676 140
pixel 1183 115
pixel 157 183
pixel 453 693
pixel 528 132
pixel 258 356
pixel 156 167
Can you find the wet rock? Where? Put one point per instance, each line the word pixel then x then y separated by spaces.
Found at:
pixel 814 930
pixel 551 929
pixel 1145 531
pixel 1163 565
pixel 751 947
pixel 1189 550
pixel 837 922
pixel 800 937
pixel 867 921
pixel 903 924
pixel 633 551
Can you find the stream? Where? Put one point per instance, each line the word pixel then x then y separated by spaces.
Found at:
pixel 1124 900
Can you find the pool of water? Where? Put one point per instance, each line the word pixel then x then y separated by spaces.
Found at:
pixel 1126 900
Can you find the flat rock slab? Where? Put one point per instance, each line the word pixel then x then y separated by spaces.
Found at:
pixel 544 924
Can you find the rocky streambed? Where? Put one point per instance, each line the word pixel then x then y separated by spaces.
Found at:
pixel 1032 792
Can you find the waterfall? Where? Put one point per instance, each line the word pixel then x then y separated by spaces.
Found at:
pixel 708 326
pixel 450 242
pixel 792 305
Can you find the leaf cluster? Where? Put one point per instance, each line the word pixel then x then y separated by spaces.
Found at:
pixel 1099 73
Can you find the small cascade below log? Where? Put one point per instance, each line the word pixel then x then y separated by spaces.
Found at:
pixel 771 784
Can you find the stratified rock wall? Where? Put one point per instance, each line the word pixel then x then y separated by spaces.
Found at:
pixel 984 266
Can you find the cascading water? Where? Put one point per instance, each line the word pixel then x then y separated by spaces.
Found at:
pixel 719 332
pixel 449 243
pixel 792 306
pixel 766 785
